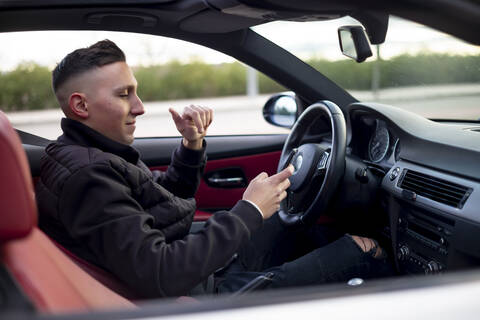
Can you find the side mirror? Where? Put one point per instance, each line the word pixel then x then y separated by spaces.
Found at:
pixel 281 110
pixel 354 42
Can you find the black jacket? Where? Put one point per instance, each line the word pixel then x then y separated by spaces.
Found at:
pixel 97 199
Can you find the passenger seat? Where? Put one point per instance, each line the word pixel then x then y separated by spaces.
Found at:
pixel 50 280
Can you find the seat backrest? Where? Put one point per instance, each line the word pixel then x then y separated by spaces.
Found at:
pixel 104 277
pixel 47 276
pixel 16 190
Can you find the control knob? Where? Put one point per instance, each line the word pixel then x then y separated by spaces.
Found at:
pixel 432 267
pixel 403 253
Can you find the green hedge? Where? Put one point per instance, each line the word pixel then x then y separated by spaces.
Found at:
pixel 403 70
pixel 28 86
pixel 197 79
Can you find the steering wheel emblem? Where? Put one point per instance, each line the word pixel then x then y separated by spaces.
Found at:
pixel 297 163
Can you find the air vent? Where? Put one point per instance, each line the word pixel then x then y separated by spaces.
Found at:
pixel 436 189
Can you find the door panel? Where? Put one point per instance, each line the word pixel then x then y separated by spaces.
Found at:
pixel 249 155
pixel 210 199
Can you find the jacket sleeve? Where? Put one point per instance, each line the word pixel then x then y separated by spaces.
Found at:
pixel 98 211
pixel 184 172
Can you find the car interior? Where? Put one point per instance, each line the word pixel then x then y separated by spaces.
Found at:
pixel 368 168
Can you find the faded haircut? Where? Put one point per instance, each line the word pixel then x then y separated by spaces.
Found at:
pixel 97 55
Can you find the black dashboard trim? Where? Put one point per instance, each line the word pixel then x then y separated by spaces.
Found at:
pixel 438 146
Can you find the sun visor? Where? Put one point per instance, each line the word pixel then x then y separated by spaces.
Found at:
pixel 375 22
pixel 231 15
pixel 270 13
pixel 213 21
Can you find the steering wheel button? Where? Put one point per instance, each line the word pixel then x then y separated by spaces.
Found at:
pixel 322 164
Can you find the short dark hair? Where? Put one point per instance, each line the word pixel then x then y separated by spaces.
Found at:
pixel 97 55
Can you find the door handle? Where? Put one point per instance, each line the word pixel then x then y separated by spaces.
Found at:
pixel 226 178
pixel 226 182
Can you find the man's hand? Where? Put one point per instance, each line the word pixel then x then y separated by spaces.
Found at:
pixel 267 192
pixel 193 124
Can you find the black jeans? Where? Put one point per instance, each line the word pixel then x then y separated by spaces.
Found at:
pixel 314 255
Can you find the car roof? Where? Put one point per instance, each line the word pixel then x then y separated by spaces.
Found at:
pixel 460 18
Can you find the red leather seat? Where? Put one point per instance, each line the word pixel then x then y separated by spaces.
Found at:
pixel 47 276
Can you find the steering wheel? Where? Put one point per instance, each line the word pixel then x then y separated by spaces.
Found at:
pixel 317 171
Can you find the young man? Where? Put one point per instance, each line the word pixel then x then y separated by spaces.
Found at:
pixel 99 200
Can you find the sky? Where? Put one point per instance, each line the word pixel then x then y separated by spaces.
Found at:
pixel 305 40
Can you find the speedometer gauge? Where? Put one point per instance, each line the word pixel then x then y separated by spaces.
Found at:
pixel 378 146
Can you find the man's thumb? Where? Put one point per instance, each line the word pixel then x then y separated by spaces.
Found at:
pixel 261 176
pixel 175 115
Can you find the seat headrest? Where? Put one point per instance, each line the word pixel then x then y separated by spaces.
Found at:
pixel 18 213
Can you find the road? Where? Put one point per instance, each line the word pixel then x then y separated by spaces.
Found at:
pixel 243 115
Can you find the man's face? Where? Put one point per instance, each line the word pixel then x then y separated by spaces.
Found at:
pixel 112 101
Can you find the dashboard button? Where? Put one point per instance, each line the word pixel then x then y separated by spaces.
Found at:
pixel 394 174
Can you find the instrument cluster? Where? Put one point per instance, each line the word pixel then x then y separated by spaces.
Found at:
pixel 375 142
pixel 383 145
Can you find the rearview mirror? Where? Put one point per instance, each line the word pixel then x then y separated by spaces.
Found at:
pixel 354 42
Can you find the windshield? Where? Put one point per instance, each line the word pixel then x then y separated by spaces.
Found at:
pixel 417 68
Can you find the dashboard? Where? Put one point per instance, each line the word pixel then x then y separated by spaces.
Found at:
pixel 430 185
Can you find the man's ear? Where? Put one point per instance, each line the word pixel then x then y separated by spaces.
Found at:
pixel 77 104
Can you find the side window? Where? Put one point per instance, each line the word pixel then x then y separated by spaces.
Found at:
pixel 170 73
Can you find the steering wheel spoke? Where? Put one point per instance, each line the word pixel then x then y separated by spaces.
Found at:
pixel 296 201
pixel 290 157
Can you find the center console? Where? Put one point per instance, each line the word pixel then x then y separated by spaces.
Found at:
pixel 423 241
pixel 434 220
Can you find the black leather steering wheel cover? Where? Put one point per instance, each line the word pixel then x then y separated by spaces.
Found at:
pixel 335 166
